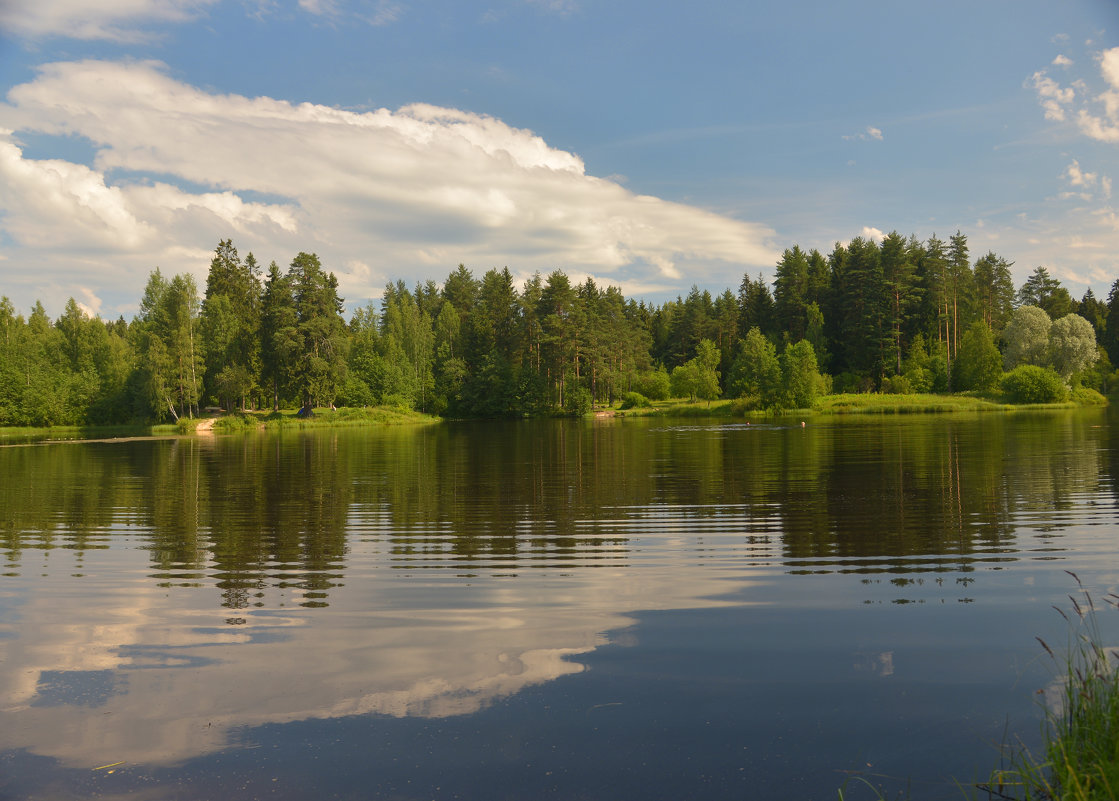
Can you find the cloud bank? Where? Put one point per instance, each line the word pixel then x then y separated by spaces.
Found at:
pixel 114 20
pixel 394 194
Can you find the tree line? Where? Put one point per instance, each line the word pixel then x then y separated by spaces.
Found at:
pixel 900 315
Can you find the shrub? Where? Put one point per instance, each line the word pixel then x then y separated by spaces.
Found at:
pixel 897 385
pixel 576 399
pixel 1086 396
pixel 654 384
pixel 634 400
pixel 1031 384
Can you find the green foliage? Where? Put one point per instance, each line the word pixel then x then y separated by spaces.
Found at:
pixel 798 369
pixel 698 377
pixel 1027 337
pixel 978 365
pixel 1029 383
pixel 994 290
pixel 1072 345
pixel 634 400
pixel 926 369
pixel 756 373
pixel 1102 375
pixel 1046 292
pixel 576 399
pixel 1085 396
pixel 898 385
pixel 653 384
pixel 320 333
pixel 1081 761
pixel 880 315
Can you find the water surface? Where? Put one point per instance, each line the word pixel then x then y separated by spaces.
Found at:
pixel 613 609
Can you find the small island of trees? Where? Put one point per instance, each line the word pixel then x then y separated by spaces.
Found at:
pixel 898 316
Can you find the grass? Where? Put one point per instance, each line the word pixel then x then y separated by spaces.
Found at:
pixel 872 403
pixel 1081 759
pixel 228 423
pixel 851 403
pixel 23 433
pixel 323 418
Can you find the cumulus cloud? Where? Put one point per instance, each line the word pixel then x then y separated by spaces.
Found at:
pixel 378 195
pixel 116 20
pixel 1062 61
pixel 1096 113
pixel 1078 177
pixel 1052 97
pixel 873 234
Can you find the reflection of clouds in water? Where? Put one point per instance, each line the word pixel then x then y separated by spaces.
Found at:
pixel 91 688
pixel 879 663
pixel 143 674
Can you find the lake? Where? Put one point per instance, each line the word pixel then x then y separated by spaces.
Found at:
pixel 608 609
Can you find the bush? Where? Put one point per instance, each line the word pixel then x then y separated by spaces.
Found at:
pixel 823 384
pixel 1085 396
pixel 897 385
pixel 654 385
pixel 1031 384
pixel 635 400
pixel 576 399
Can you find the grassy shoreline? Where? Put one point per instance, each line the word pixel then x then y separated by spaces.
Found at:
pixel 828 405
pixel 850 404
pixel 223 424
pixel 322 418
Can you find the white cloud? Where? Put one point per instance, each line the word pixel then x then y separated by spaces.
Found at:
pixel 562 7
pixel 319 7
pixel 871 133
pixel 117 20
pixel 1062 61
pixel 419 188
pixel 1109 66
pixel 1100 120
pixel 89 303
pixel 873 234
pixel 1096 112
pixel 1078 177
pixel 1051 96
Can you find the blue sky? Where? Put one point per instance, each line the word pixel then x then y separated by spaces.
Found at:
pixel 652 146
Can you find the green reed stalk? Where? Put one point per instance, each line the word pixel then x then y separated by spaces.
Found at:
pixel 1081 760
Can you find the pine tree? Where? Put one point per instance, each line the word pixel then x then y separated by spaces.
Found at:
pixel 994 289
pixel 790 289
pixel 320 364
pixel 279 334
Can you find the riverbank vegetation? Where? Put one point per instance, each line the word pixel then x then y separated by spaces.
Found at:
pixel 900 318
pixel 317 418
pixel 1081 748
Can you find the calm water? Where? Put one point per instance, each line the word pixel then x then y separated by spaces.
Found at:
pixel 618 609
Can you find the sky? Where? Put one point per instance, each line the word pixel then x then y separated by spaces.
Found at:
pixel 651 146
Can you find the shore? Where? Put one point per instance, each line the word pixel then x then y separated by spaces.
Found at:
pixel 829 405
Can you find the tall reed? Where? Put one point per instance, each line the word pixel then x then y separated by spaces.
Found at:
pixel 1081 759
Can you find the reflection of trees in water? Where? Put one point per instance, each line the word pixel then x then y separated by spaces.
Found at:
pixel 246 513
pixel 60 496
pixel 262 514
pixel 947 493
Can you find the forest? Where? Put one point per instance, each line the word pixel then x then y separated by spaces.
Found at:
pixel 901 315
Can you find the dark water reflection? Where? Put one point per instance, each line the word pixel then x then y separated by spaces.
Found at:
pixel 617 609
